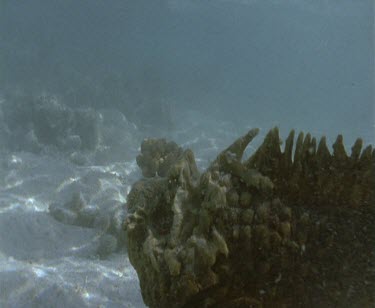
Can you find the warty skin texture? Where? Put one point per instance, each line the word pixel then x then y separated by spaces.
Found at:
pixel 290 228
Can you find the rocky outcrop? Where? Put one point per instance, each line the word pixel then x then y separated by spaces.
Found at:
pixel 36 122
pixel 291 228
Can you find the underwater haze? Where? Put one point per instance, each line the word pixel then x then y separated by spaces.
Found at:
pixel 82 83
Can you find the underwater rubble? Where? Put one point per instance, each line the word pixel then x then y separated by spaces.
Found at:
pixel 46 124
pixel 33 122
pixel 283 228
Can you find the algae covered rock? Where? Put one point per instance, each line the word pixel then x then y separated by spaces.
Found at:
pixel 290 228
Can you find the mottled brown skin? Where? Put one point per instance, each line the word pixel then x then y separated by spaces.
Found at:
pixel 157 156
pixel 268 232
